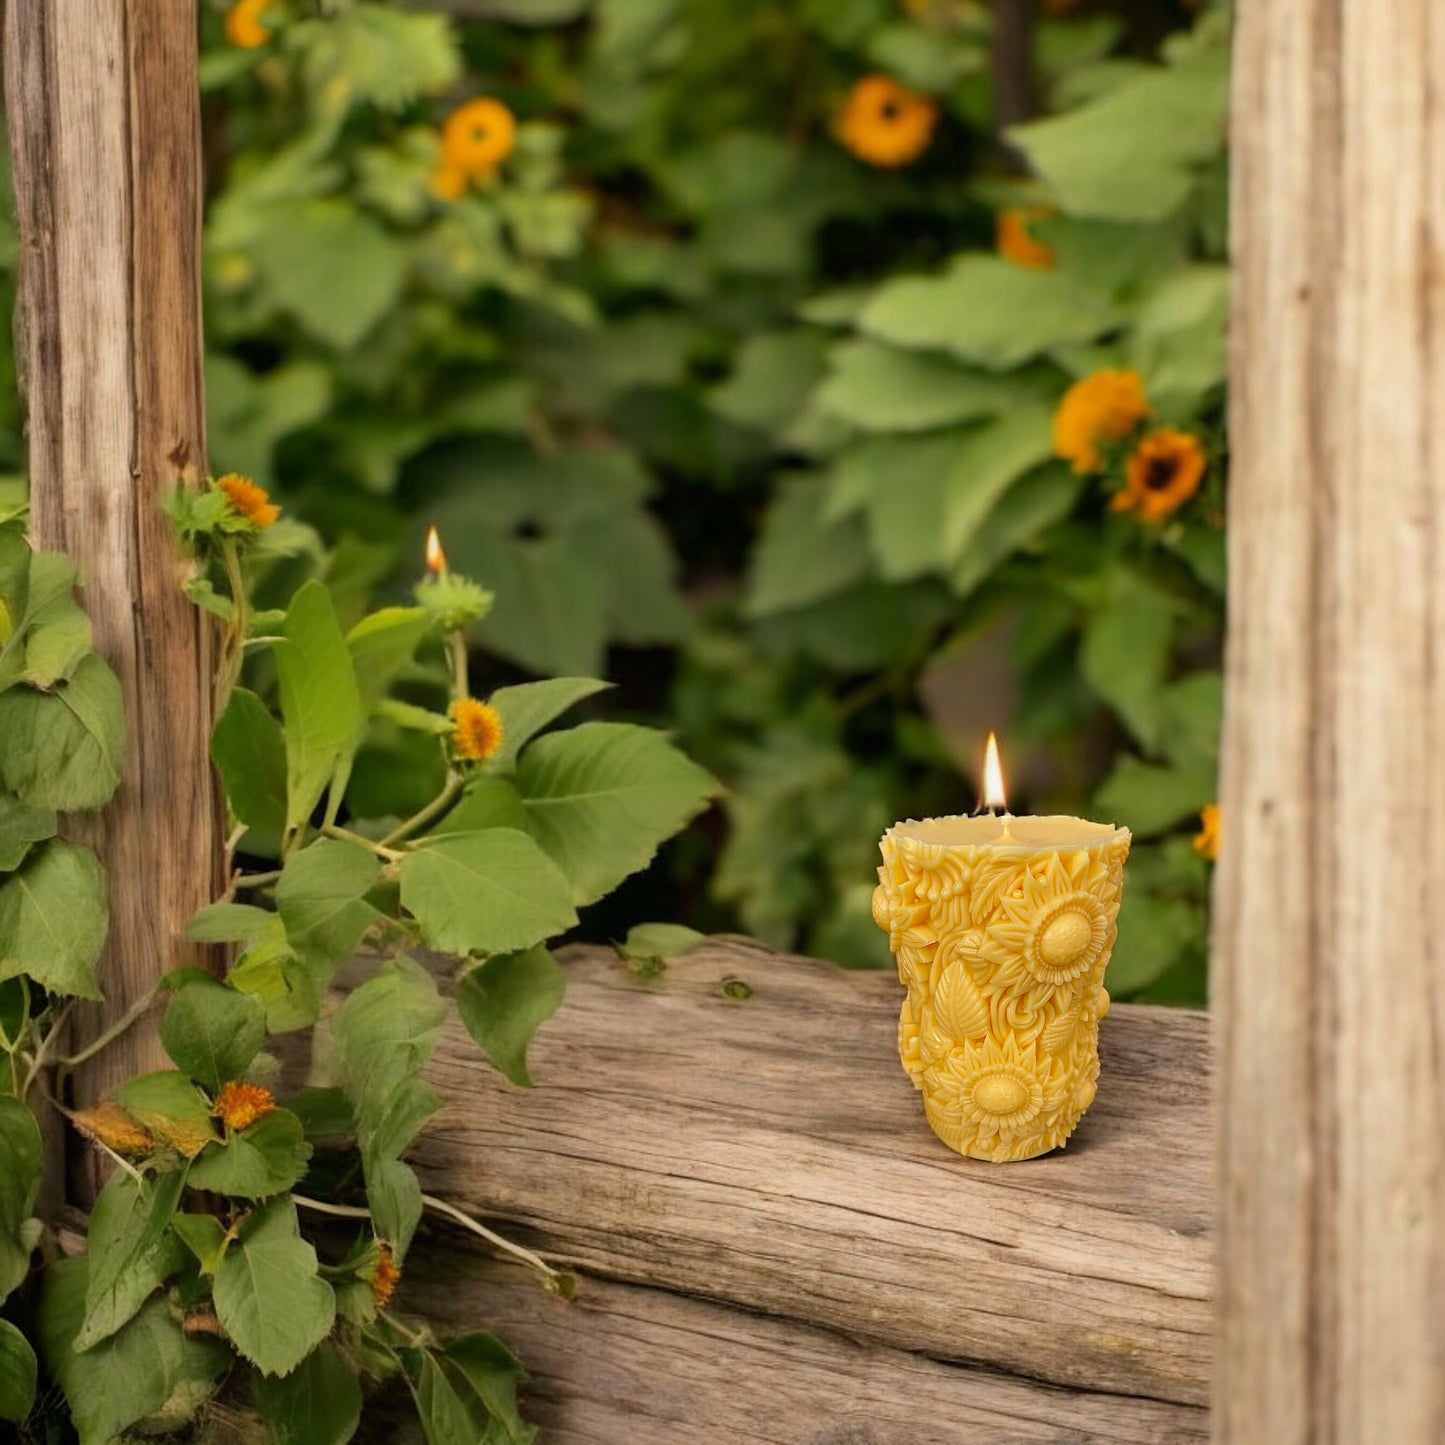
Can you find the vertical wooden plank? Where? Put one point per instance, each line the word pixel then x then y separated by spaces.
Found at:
pixel 103 107
pixel 1329 974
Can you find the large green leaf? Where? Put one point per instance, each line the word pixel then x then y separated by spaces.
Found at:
pixel 382 646
pixel 986 311
pixel 120 1380
pixel 129 1253
pixel 1150 799
pixel 21 827
pixel 171 1107
pixel 1166 122
pixel 269 1298
pixel 489 802
pixel 24 1156
pixel 1177 341
pixel 1025 511
pixel 528 707
pixel 989 460
pixel 602 797
pixel 881 388
pixel 17 1374
pixel 1154 933
pixel 334 269
pixel 249 750
pixel 257 1162
pixel 1125 657
pixel 57 630
pixel 394 1198
pixel 320 700
pixel 213 1032
pixel 493 1373
pixel 800 556
pixel 321 897
pixel 772 373
pixel 63 749
pixel 53 919
pixel 486 892
pixel 318 1403
pixel 377 55
pixel 503 1002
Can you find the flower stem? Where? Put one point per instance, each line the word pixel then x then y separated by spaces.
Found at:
pixel 451 789
pixel 457 648
pixel 335 830
pixel 132 1015
pixel 532 1261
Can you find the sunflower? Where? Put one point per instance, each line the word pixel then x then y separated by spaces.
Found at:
pixel 243 24
pixel 448 182
pixel 995 1091
pixel 476 729
pixel 1017 243
pixel 248 500
pixel 1162 473
pixel 1057 929
pixel 1105 406
pixel 238 1106
pixel 884 123
pixel 1207 839
pixel 479 136
pixel 385 1277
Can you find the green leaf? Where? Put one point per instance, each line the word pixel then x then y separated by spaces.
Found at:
pixel 289 991
pixel 319 1403
pixel 376 55
pixel 772 374
pixel 881 388
pixel 170 1106
pixel 602 797
pixel 1166 122
pixel 493 1372
pixel 986 311
pixel 63 749
pixel 1193 711
pixel 503 1002
pixel 449 1411
pixel 229 923
pixel 204 1235
pixel 800 557
pixel 382 646
pixel 17 1374
pixel 129 1253
pixel 249 750
pixel 383 1034
pixel 320 700
pixel 1125 655
pixel 528 707
pixel 1177 341
pixel 1154 933
pixel 269 1298
pixel 213 1032
pixel 1149 799
pixel 321 897
pixel 257 1162
pixel 394 1198
pixel 57 630
pixel 22 826
pixel 660 941
pixel 331 267
pixel 54 919
pixel 485 892
pixel 24 1156
pixel 987 464
pixel 488 802
pixel 120 1380
pixel 1026 510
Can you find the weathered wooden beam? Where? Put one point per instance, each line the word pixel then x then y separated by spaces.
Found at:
pixel 1329 991
pixel 644 1366
pixel 103 107
pixel 770 1154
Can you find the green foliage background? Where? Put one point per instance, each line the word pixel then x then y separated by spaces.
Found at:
pixel 760 431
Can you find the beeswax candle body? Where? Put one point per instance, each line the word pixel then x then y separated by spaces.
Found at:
pixel 1002 928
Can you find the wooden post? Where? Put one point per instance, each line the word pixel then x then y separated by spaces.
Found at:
pixel 103 107
pixel 1329 986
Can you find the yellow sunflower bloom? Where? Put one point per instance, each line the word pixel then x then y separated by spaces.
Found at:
pixel 886 124
pixel 476 729
pixel 1210 834
pixel 385 1277
pixel 985 1096
pixel 478 136
pixel 238 1106
pixel 1162 473
pixel 1016 242
pixel 1105 406
pixel 248 500
pixel 243 24
pixel 449 183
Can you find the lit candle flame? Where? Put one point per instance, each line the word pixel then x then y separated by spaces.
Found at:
pixel 436 559
pixel 995 799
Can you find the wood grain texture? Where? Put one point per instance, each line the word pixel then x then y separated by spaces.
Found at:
pixel 1329 983
pixel 625 1363
pixel 771 1154
pixel 103 107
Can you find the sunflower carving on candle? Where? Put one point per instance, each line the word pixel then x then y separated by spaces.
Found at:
pixel 1002 928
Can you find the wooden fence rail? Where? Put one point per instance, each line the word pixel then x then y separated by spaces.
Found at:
pixel 774 1247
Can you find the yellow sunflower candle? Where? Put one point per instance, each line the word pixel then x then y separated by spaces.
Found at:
pixel 1002 928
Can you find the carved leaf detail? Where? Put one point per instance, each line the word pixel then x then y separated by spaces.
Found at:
pixel 958 1005
pixel 1058 1034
